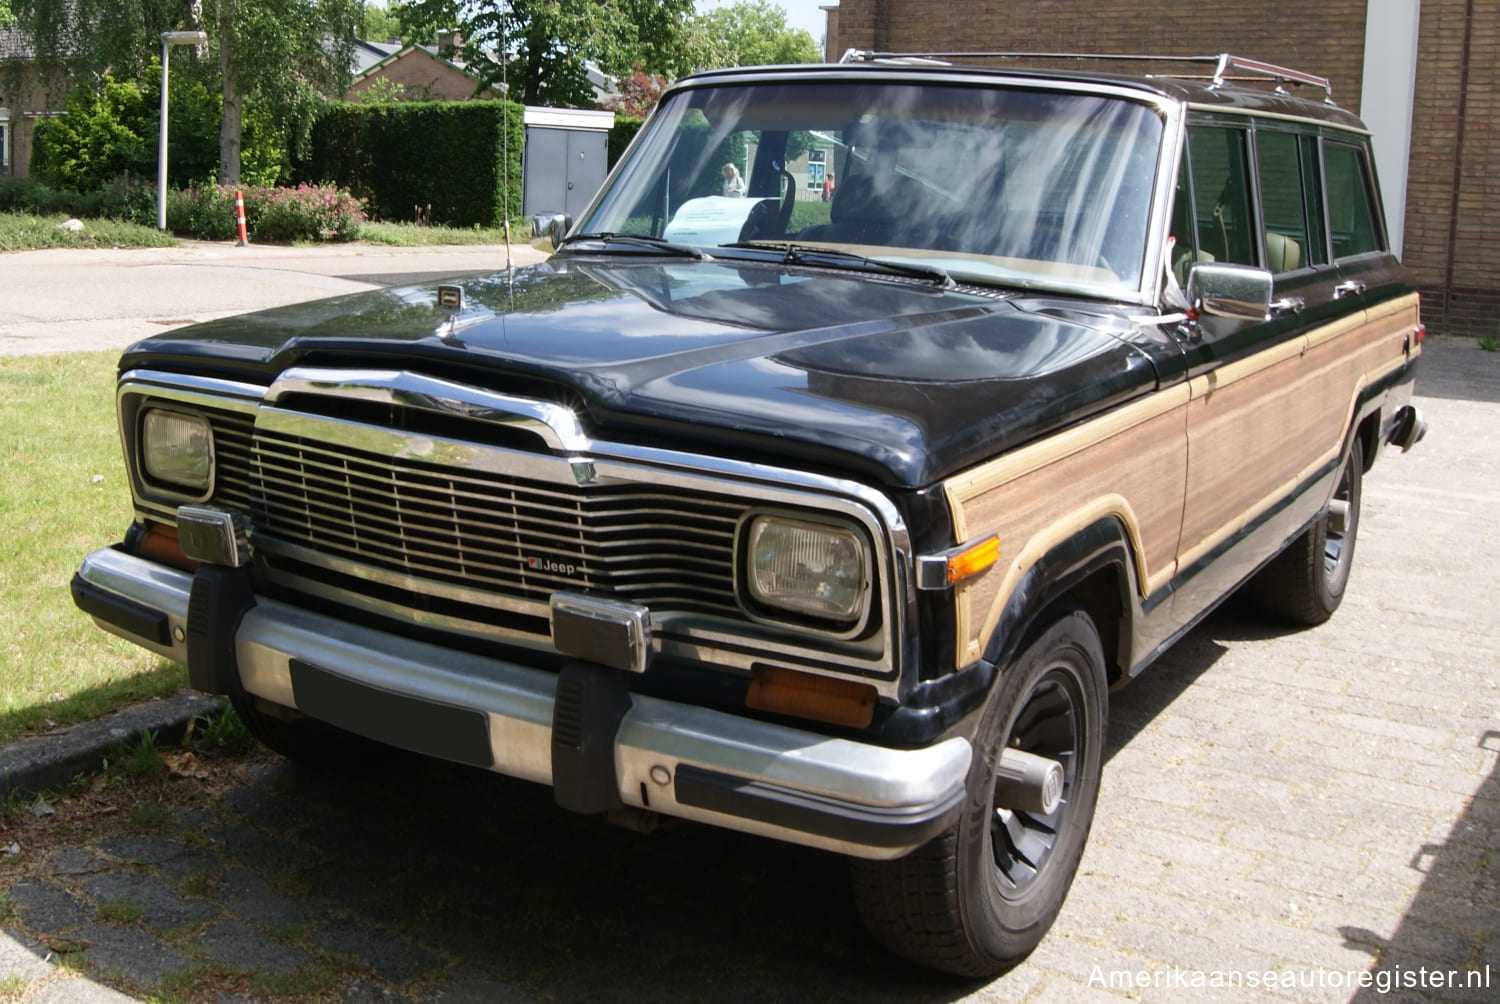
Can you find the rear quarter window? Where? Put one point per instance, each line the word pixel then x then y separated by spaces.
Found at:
pixel 1351 216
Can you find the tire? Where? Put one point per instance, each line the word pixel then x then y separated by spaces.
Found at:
pixel 975 900
pixel 307 740
pixel 1305 583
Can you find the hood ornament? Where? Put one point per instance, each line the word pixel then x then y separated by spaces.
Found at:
pixel 450 299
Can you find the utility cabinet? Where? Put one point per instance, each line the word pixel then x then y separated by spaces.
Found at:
pixel 566 159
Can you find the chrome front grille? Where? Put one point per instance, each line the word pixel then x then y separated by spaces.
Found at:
pixel 480 531
pixel 456 512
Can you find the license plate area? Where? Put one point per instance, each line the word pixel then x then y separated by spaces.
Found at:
pixel 440 730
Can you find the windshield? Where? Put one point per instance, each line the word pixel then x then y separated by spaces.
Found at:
pixel 990 184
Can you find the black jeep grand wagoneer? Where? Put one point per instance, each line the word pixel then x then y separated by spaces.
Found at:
pixel 829 520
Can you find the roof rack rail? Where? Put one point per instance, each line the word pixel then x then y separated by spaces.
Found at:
pixel 1223 63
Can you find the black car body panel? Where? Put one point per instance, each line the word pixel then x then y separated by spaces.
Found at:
pixel 889 378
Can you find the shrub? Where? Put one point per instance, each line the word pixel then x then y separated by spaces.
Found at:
pixel 205 212
pixel 17 196
pixel 275 215
pixel 386 154
pixel 307 212
pixel 130 200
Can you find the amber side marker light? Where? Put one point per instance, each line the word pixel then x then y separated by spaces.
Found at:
pixel 955 565
pixel 160 543
pixel 973 559
pixel 803 695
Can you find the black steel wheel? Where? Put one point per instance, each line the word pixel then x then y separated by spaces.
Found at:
pixel 1305 583
pixel 978 898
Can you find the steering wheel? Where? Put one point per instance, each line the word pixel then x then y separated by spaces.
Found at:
pixel 766 219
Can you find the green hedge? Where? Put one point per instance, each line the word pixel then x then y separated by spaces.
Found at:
pixel 621 134
pixel 402 158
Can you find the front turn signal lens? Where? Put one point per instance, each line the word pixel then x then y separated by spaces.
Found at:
pixel 819 698
pixel 958 564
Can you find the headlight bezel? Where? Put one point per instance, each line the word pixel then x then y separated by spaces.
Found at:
pixel 150 477
pixel 787 613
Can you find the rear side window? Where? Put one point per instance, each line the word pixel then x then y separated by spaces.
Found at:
pixel 1221 194
pixel 1290 201
pixel 1351 218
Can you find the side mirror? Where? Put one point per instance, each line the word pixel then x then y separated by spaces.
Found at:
pixel 548 230
pixel 1223 294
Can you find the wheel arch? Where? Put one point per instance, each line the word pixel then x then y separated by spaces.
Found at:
pixel 1092 571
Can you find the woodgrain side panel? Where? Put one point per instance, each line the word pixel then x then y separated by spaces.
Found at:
pixel 1182 470
pixel 1255 432
pixel 1130 465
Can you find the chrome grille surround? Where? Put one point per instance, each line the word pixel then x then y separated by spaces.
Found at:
pixel 456 535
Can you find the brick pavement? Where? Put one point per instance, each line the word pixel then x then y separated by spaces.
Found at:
pixel 1284 807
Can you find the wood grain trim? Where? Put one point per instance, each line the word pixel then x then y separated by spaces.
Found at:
pixel 1410 301
pixel 1329 332
pixel 1050 536
pixel 1375 330
pixel 987 476
pixel 1106 468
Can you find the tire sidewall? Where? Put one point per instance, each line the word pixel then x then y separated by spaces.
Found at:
pixel 1331 587
pixel 1007 928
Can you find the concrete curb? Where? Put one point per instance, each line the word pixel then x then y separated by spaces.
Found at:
pixel 51 760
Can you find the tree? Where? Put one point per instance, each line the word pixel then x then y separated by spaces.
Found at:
pixel 278 54
pixel 638 93
pixel 378 24
pixel 753 33
pixel 549 42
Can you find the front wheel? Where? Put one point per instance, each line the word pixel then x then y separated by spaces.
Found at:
pixel 977 899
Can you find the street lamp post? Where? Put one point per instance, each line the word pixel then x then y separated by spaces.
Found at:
pixel 168 38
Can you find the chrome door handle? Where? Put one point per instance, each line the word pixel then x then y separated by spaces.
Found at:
pixel 1288 305
pixel 1351 288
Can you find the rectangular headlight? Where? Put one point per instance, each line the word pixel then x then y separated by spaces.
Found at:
pixel 177 450
pixel 814 569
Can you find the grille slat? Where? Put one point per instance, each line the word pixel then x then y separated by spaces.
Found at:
pixel 431 526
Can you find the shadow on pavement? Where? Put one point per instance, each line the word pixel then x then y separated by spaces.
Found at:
pixel 441 866
pixel 1448 931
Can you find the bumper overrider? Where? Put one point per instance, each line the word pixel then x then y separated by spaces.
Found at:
pixel 581 731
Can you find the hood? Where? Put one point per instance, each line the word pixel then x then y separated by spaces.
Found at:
pixel 892 379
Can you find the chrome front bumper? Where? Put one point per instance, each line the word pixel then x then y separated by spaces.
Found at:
pixel 672 758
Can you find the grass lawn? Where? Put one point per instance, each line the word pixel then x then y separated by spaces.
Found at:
pixel 64 494
pixel 23 232
pixel 409 235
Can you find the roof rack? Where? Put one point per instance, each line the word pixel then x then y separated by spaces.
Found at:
pixel 1223 63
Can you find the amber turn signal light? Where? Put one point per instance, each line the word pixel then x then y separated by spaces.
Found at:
pixel 160 543
pixel 803 695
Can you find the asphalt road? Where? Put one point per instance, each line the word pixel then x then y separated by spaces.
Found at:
pixel 1284 815
pixel 65 300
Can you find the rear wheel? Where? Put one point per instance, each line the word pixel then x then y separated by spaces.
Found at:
pixel 1305 583
pixel 979 897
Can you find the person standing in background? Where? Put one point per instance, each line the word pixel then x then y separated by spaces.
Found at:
pixel 733 183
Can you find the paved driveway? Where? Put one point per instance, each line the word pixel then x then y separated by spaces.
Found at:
pixel 1282 813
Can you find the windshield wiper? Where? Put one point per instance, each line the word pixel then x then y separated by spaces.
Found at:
pixel 638 240
pixel 793 254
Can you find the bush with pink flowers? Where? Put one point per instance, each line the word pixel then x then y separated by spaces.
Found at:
pixel 273 215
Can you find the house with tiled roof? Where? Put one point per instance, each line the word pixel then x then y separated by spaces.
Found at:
pixel 420 72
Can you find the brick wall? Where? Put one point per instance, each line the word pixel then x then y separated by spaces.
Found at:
pixel 1452 233
pixel 1453 193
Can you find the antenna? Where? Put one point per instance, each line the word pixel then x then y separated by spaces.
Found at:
pixel 505 140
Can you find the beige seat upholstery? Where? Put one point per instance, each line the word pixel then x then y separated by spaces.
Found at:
pixel 1282 253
